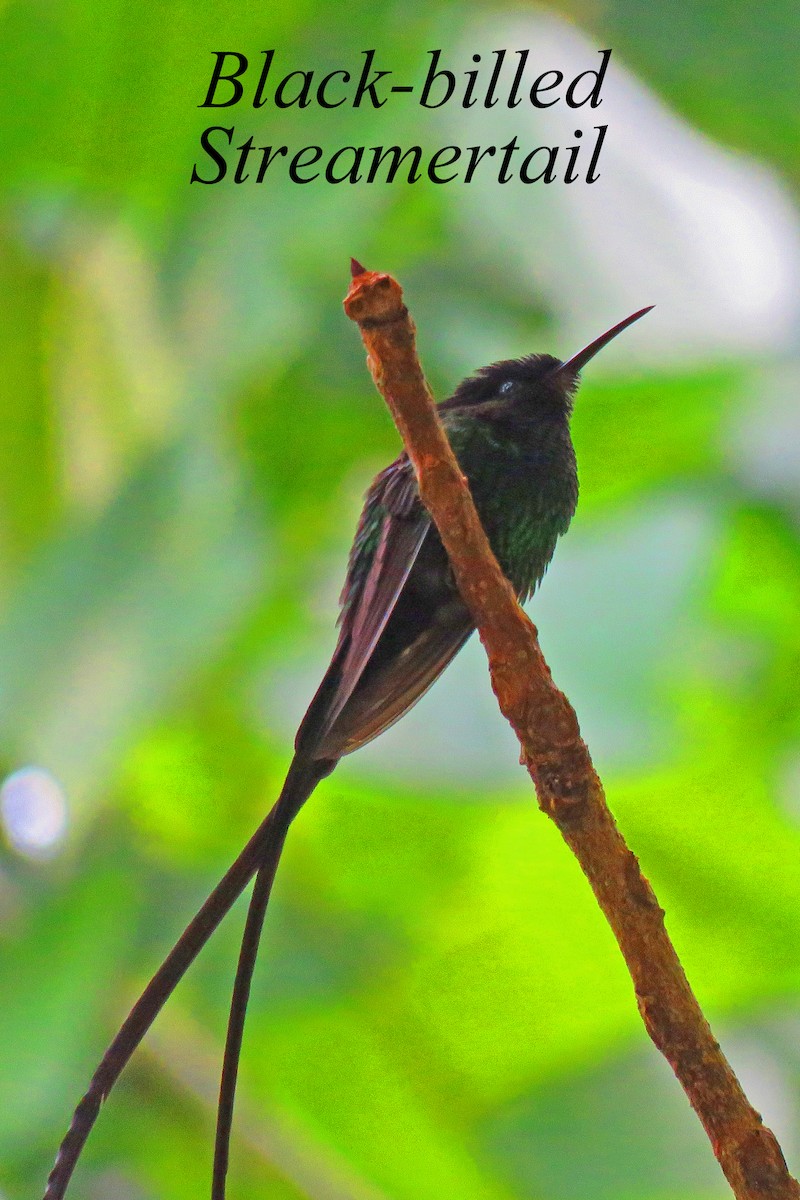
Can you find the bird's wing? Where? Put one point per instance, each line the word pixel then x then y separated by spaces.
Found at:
pixel 403 620
pixel 385 694
pixel 399 543
pixel 392 528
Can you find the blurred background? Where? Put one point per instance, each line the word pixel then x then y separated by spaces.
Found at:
pixel 186 429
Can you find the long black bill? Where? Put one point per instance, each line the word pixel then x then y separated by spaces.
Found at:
pixel 578 361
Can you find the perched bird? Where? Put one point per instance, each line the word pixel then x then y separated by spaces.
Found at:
pixel 402 621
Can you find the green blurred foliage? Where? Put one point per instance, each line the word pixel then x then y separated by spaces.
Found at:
pixel 187 425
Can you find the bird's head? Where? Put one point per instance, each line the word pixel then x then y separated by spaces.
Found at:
pixel 536 383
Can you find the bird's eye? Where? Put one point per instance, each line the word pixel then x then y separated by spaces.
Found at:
pixel 506 387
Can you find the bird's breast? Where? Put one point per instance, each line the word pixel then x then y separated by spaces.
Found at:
pixel 525 490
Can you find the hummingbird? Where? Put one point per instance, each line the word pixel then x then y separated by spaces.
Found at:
pixel 401 622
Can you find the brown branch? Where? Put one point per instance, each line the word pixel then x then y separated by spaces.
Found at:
pixel 568 788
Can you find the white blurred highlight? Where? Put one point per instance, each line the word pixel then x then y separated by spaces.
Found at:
pixel 789 785
pixel 33 810
pixel 710 237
